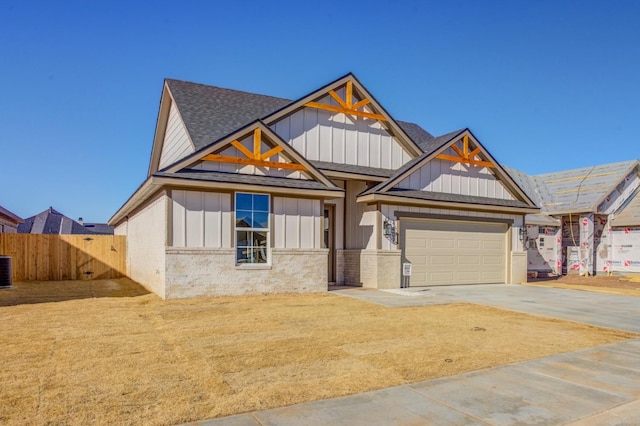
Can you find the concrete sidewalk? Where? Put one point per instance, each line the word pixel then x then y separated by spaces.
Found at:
pixel 594 386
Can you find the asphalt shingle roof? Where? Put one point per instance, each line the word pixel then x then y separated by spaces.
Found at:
pixel 52 221
pixel 350 168
pixel 211 113
pixel 210 176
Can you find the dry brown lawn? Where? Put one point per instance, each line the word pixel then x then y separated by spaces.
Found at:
pixel 105 352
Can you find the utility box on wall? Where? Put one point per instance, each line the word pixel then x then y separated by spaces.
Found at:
pixel 573 260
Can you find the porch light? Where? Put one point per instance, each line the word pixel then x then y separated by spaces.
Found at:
pixel 389 230
pixel 523 233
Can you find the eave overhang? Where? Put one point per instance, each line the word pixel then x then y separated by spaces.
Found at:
pixel 400 200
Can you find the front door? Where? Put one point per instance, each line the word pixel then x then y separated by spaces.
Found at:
pixel 329 240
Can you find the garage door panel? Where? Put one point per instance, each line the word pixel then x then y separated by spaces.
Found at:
pixel 440 243
pixel 453 252
pixel 490 277
pixel 493 245
pixel 493 260
pixel 436 277
pixel 467 276
pixel 437 260
pixel 467 260
pixel 468 244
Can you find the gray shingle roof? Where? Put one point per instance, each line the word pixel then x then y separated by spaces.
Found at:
pixel 211 113
pixel 350 168
pixel 419 135
pixel 209 176
pixel 455 198
pixel 52 221
pixel 436 143
pixel 525 182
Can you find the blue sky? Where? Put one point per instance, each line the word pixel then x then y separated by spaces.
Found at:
pixel 544 85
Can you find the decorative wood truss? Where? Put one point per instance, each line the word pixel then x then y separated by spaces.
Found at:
pixel 255 158
pixel 465 156
pixel 346 105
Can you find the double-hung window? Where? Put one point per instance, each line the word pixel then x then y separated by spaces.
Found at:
pixel 252 228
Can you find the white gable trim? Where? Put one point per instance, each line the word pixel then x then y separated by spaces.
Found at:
pixel 166 100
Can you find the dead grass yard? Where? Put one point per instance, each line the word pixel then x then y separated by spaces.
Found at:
pixel 105 352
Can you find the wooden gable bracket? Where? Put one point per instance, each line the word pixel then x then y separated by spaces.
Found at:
pixel 346 105
pixel 465 156
pixel 255 158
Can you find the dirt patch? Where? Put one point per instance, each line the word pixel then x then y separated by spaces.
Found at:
pixel 138 359
pixel 625 285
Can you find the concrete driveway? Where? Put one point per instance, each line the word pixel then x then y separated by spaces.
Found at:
pixel 605 310
pixel 594 386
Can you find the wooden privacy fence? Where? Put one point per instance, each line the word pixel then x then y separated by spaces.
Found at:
pixel 65 257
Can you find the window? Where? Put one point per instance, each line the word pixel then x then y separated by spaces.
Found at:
pixel 252 228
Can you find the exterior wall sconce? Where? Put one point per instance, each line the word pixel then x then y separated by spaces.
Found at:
pixel 523 233
pixel 389 230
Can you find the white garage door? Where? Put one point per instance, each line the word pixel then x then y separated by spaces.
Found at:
pixel 452 252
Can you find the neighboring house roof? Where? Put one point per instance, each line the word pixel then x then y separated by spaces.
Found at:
pixel 52 221
pixel 12 217
pixel 99 228
pixel 573 191
pixel 579 189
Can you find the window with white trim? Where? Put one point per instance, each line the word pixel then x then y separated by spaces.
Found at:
pixel 252 228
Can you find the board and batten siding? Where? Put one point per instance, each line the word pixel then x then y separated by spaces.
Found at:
pixel 176 143
pixel 321 135
pixel 204 220
pixel 360 226
pixel 388 212
pixel 455 178
pixel 201 219
pixel 247 142
pixel 297 223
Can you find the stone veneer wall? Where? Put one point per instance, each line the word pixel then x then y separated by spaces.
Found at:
pixel 213 272
pixel 348 267
pixel 380 268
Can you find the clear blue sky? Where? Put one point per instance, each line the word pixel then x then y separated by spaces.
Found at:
pixel 544 85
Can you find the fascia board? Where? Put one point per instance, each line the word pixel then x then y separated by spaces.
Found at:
pixel 231 186
pixel 391 199
pixel 138 197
